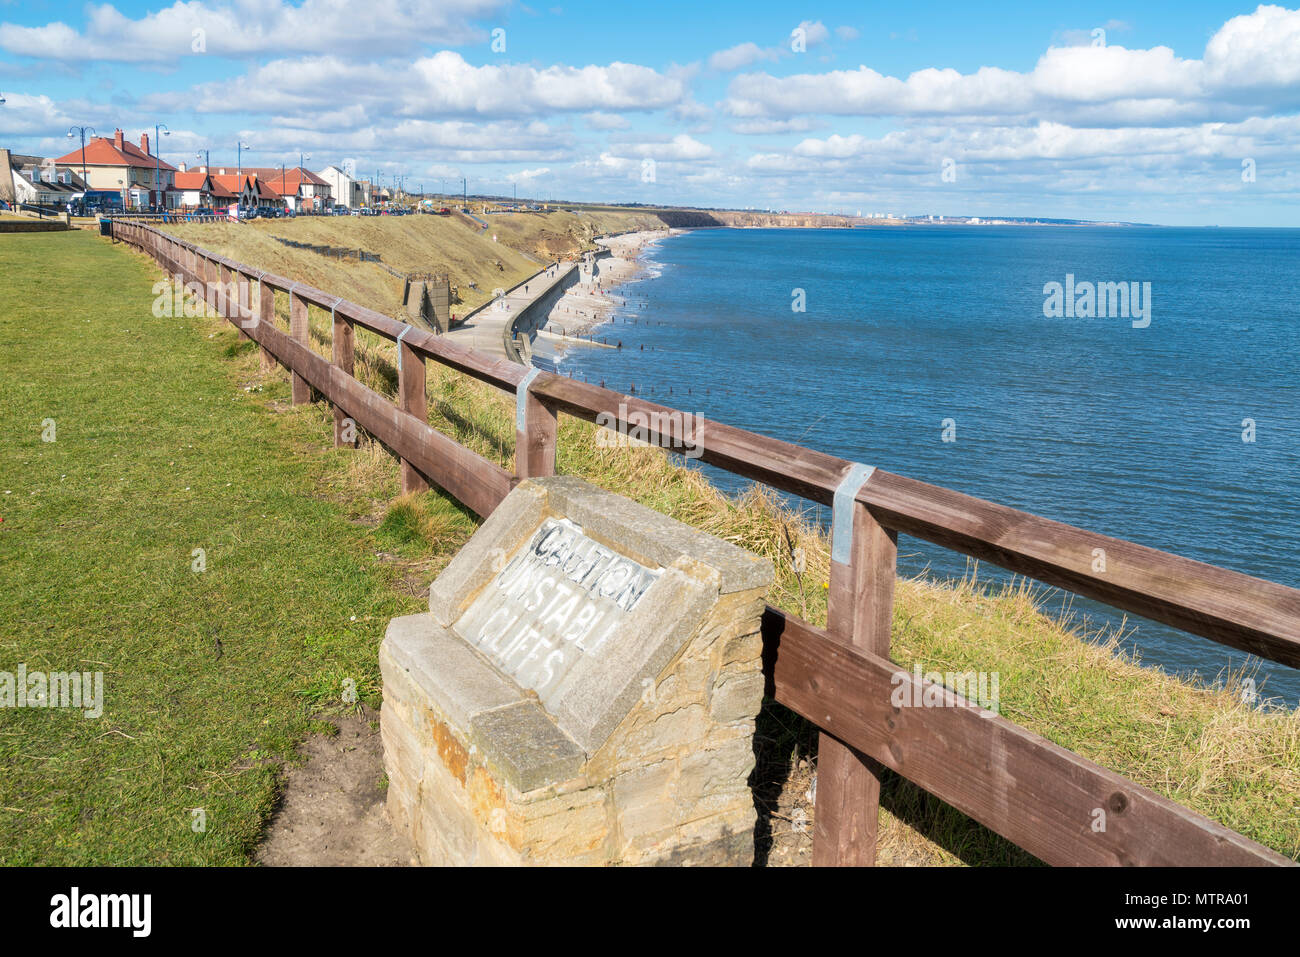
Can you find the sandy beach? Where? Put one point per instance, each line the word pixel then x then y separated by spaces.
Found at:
pixel 586 306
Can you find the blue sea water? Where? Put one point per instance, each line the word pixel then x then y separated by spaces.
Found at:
pixel 1130 432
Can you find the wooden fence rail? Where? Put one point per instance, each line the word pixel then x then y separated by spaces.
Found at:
pixel 1042 797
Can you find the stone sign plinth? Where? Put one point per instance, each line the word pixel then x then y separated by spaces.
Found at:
pixel 582 691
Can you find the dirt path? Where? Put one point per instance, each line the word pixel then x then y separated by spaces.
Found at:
pixel 332 813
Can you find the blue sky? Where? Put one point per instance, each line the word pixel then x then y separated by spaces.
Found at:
pixel 1180 113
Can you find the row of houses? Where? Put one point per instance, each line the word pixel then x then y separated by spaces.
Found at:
pixel 137 178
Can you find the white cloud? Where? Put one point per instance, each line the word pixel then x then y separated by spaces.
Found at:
pixel 741 55
pixel 451 85
pixel 815 32
pixel 795 124
pixel 1253 59
pixel 449 141
pixel 443 84
pixel 606 121
pixel 681 147
pixel 26 115
pixel 692 111
pixel 250 27
pixel 1260 49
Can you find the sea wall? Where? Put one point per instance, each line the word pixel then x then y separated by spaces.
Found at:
pixel 530 318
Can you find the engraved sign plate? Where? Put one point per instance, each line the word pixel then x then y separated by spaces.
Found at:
pixel 558 599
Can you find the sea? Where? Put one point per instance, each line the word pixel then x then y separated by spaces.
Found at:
pixel 949 354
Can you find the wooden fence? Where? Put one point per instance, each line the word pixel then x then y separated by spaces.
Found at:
pixel 181 215
pixel 1042 797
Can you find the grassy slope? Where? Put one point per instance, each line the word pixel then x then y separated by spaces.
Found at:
pixel 408 244
pixel 160 450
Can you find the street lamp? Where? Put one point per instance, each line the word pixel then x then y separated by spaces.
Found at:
pixel 82 130
pixel 205 155
pixel 302 160
pixel 240 146
pixel 157 151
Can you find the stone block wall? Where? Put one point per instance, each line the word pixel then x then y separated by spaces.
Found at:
pixel 480 773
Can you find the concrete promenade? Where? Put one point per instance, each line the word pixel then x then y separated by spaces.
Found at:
pixel 485 329
pixel 576 301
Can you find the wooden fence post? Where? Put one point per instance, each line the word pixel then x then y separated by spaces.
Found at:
pixel 535 430
pixel 223 277
pixel 208 269
pixel 860 609
pixel 412 397
pixel 237 306
pixel 344 338
pixel 266 312
pixel 298 331
pixel 232 281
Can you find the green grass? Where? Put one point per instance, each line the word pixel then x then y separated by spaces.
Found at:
pixel 210 678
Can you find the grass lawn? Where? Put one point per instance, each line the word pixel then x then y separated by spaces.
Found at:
pixel 210 678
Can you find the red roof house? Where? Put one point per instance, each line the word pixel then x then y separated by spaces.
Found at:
pixel 116 164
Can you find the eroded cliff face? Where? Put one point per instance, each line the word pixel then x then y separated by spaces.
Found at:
pixel 688 218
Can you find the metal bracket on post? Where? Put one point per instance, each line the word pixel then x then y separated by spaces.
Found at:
pixel 400 337
pixel 846 493
pixel 521 398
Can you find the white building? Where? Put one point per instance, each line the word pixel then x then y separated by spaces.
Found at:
pixel 39 182
pixel 347 190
